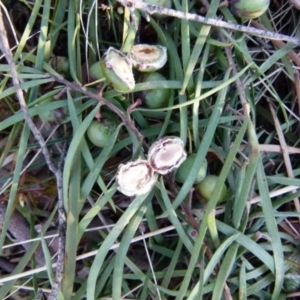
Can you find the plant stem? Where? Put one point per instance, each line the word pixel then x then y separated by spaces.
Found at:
pixel 4 46
pixel 153 9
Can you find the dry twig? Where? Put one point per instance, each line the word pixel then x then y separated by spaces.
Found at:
pixel 4 46
pixel 153 9
pixel 285 153
pixel 76 87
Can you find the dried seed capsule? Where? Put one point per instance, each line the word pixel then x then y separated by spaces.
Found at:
pixel 148 58
pixel 166 154
pixel 249 9
pixel 117 69
pixel 135 178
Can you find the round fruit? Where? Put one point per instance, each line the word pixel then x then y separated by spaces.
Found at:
pixel 249 9
pixel 96 71
pixel 185 168
pixel 206 187
pixel 60 64
pixel 100 132
pixel 155 98
pixel 56 116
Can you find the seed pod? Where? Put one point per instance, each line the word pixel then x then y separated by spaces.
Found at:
pixel 117 69
pixel 166 154
pixel 155 98
pixel 184 169
pixel 135 178
pixel 148 58
pixel 100 132
pixel 96 71
pixel 60 64
pixel 249 9
pixel 55 116
pixel 205 188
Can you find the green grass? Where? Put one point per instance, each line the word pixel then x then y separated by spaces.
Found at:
pixel 233 95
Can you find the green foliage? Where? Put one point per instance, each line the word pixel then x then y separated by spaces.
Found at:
pixel 231 98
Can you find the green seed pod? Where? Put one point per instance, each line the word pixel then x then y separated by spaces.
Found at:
pixel 117 69
pixel 100 132
pixel 60 64
pixel 185 168
pixel 249 9
pixel 155 98
pixel 148 58
pixel 205 188
pixel 95 71
pixel 55 116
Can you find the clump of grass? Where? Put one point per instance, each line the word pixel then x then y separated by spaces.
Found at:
pixel 233 101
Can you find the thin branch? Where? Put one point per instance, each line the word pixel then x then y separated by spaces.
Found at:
pixel 285 153
pixel 297 88
pixel 4 46
pixel 76 87
pixel 279 44
pixel 153 9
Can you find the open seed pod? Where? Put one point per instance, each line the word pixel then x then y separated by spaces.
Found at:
pixel 249 9
pixel 135 178
pixel 148 58
pixel 117 69
pixel 166 154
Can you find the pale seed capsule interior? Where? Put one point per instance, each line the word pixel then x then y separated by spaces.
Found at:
pixel 168 155
pixel 146 53
pixel 135 178
pixel 121 66
pixel 148 58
